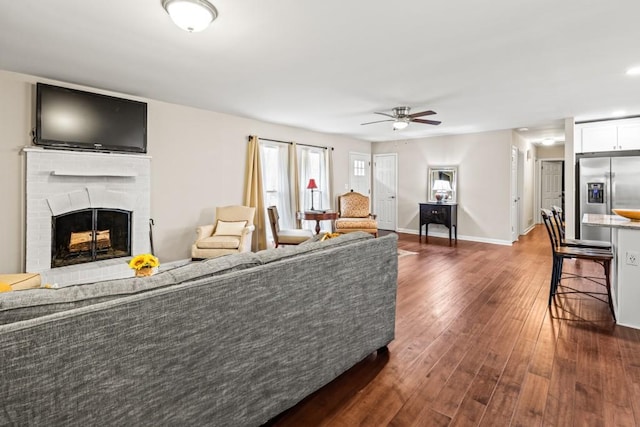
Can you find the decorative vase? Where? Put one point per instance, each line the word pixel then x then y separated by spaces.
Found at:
pixel 144 271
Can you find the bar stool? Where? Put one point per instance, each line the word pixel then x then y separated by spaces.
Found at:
pixel 577 243
pixel 560 253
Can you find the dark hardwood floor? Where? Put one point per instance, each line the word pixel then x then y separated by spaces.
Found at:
pixel 477 344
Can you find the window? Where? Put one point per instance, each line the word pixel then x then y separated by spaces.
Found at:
pixel 359 168
pixel 312 164
pixel 278 178
pixel 276 182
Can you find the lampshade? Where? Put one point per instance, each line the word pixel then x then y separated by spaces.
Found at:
pixel 441 185
pixel 312 184
pixel 400 124
pixel 190 15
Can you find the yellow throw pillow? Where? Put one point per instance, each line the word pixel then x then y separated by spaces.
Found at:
pixel 229 228
pixel 21 281
pixel 5 287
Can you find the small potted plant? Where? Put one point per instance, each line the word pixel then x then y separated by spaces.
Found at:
pixel 144 264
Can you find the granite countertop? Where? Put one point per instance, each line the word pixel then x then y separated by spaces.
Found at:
pixel 613 221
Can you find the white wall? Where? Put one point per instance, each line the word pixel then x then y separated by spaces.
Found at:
pixel 483 161
pixel 198 163
pixel 528 174
pixel 555 152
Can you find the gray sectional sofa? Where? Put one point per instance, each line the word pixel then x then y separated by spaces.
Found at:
pixel 231 341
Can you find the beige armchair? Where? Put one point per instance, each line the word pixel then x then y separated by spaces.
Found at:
pixel 285 237
pixel 230 234
pixel 354 214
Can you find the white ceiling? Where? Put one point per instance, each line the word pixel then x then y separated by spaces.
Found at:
pixel 328 65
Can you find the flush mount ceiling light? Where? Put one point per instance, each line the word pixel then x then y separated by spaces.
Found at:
pixel 548 141
pixel 190 15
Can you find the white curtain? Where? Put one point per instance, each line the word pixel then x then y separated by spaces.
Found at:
pixel 275 173
pixel 312 164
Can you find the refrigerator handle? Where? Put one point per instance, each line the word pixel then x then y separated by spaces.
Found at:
pixel 609 198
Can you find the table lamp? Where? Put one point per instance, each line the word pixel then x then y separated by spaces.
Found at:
pixel 442 189
pixel 312 186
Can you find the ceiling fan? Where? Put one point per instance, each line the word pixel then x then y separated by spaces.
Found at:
pixel 401 118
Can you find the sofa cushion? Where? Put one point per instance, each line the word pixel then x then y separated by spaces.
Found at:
pixel 356 223
pixel 214 266
pixel 219 242
pixel 284 252
pixel 229 228
pixel 16 306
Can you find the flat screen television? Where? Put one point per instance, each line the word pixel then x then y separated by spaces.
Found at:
pixel 77 120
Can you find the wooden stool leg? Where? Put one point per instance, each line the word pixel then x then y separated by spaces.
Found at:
pixel 607 271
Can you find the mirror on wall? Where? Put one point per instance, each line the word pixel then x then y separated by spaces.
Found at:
pixel 442 184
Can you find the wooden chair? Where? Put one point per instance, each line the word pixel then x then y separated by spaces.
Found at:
pixel 560 253
pixel 354 214
pixel 577 243
pixel 287 236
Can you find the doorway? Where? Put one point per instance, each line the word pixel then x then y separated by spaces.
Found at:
pixel 551 184
pixel 385 190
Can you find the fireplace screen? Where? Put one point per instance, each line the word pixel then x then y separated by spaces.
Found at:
pixel 90 235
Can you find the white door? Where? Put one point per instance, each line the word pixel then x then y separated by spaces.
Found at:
pixel 385 190
pixel 360 173
pixel 514 194
pixel 551 184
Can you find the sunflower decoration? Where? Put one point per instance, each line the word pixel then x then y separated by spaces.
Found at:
pixel 329 236
pixel 144 263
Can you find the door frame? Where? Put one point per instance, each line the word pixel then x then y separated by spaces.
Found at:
pixel 538 185
pixel 395 190
pixel 514 203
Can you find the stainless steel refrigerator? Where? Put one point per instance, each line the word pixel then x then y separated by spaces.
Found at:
pixel 605 182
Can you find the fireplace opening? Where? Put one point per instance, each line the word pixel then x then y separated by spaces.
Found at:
pixel 90 235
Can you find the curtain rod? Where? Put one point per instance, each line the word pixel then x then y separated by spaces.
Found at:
pixel 289 142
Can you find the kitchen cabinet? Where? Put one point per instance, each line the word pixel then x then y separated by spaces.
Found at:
pixel 629 136
pixel 610 135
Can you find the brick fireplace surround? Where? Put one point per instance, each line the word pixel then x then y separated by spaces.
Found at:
pixel 58 182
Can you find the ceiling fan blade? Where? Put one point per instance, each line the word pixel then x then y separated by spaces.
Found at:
pixel 428 122
pixel 379 121
pixel 385 114
pixel 424 113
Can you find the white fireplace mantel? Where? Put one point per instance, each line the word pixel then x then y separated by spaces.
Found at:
pixel 53 176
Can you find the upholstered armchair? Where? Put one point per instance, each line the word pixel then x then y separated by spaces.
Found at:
pixel 230 234
pixel 354 214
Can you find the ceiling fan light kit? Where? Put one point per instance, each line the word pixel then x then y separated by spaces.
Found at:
pixel 190 15
pixel 400 124
pixel 401 117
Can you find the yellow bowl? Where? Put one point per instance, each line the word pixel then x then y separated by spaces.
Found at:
pixel 632 214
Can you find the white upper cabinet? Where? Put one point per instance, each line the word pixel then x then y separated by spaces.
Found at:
pixel 601 138
pixel 629 136
pixel 609 135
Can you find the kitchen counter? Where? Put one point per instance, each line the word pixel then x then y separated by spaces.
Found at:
pixel 613 221
pixel 625 274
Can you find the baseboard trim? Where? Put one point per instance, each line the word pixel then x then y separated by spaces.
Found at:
pixel 460 237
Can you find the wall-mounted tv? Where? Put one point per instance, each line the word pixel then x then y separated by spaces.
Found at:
pixel 77 120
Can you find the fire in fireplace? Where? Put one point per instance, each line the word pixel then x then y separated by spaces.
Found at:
pixel 89 235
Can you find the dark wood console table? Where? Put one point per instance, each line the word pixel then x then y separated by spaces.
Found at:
pixel 319 216
pixel 438 213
